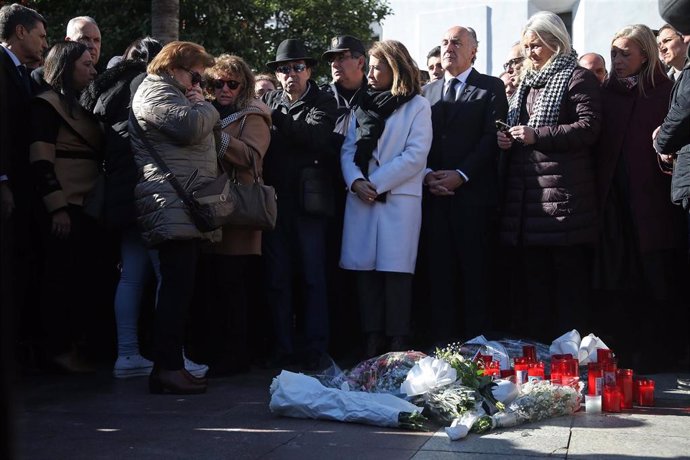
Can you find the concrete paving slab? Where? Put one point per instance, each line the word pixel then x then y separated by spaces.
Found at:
pixel 635 424
pixel 536 440
pixel 603 444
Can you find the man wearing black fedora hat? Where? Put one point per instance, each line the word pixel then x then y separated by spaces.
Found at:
pixel 295 164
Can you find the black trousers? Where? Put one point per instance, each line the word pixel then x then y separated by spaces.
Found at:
pixel 219 318
pixel 70 274
pixel 385 301
pixel 557 290
pixel 460 261
pixel 178 264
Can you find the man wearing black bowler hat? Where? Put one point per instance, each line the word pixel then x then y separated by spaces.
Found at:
pixel 303 119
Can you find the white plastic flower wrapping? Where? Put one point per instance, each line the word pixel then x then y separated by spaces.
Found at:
pixel 427 374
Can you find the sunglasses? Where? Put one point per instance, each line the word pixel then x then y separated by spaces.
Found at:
pixel 197 79
pixel 219 84
pixel 298 68
pixel 513 63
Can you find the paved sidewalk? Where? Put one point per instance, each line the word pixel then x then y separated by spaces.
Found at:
pixel 98 417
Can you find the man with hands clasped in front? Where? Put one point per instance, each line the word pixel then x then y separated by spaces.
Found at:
pixel 462 181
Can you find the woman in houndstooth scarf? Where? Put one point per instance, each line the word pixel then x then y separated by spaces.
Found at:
pixel 549 210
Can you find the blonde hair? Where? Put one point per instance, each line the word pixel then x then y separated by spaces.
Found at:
pixel 645 39
pixel 179 55
pixel 227 65
pixel 551 30
pixel 404 68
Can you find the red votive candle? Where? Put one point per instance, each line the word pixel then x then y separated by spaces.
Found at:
pixel 530 352
pixel 557 368
pixel 535 371
pixel 604 355
pixel 571 372
pixel 493 369
pixel 521 367
pixel 645 390
pixel 611 399
pixel 609 371
pixel 506 373
pixel 624 380
pixel 594 379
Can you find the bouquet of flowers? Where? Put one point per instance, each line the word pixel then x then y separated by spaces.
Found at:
pixel 382 374
pixel 539 400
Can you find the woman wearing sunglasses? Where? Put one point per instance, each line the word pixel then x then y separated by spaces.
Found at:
pixel 170 111
pixel 221 332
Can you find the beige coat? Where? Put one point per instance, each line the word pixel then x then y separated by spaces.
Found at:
pixel 247 140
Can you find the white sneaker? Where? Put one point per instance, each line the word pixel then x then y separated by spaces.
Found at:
pixel 132 366
pixel 197 370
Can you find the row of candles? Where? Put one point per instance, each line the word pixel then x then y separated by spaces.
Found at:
pixel 608 387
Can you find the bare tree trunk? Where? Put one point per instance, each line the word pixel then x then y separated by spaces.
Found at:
pixel 165 20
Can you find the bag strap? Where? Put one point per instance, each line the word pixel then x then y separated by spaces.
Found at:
pixel 252 160
pixel 167 173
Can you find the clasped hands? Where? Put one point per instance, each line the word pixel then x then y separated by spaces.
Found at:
pixel 365 190
pixel 443 182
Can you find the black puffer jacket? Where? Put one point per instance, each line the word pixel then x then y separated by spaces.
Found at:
pixel 674 137
pixel 550 189
pixel 109 98
pixel 300 138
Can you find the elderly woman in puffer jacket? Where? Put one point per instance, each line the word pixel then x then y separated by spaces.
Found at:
pixel 171 112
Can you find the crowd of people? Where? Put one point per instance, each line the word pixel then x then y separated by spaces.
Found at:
pixel 410 213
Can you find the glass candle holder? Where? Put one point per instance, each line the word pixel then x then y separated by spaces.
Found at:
pixel 609 371
pixel 593 404
pixel 535 371
pixel 595 379
pixel 645 391
pixel 611 399
pixel 557 368
pixel 493 369
pixel 571 372
pixel 624 380
pixel 604 355
pixel 530 352
pixel 521 368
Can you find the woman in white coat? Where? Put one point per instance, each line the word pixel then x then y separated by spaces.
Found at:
pixel 383 161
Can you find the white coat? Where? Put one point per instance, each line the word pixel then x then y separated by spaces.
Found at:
pixel 385 236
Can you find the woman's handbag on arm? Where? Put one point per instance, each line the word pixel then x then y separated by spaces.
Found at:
pixel 256 205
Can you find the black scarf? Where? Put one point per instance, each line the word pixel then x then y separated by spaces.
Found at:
pixel 373 110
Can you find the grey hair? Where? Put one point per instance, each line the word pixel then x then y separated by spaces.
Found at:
pixel 551 30
pixel 74 22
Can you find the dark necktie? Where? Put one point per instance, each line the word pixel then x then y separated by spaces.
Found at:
pixel 451 91
pixel 24 74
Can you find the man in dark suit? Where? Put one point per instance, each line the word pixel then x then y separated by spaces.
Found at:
pixel 22 42
pixel 462 182
pixel 23 35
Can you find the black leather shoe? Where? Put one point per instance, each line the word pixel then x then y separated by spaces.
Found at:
pixel 177 382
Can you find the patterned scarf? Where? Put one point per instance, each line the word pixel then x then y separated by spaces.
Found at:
pixel 628 82
pixel 554 79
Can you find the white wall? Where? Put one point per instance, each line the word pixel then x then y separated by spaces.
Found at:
pixel 420 24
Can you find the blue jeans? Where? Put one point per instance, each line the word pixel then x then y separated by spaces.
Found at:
pixel 137 266
pixel 298 243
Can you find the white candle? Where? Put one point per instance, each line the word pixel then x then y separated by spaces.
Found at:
pixel 593 404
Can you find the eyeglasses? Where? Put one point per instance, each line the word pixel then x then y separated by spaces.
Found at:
pixel 513 63
pixel 340 57
pixel 298 68
pixel 197 79
pixel 219 84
